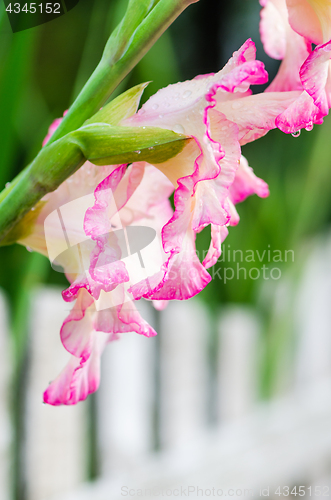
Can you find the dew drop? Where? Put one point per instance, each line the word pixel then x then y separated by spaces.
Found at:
pixel 310 127
pixel 296 134
pixel 161 116
pixel 7 184
pixel 151 148
pixel 179 129
pixel 138 152
pixel 187 93
pixel 177 94
pixel 29 249
pixel 144 128
pixel 155 106
pixel 33 208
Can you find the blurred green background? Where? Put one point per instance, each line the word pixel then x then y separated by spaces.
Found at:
pixel 41 72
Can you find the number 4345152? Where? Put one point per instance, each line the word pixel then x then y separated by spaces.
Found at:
pixel 301 491
pixel 32 8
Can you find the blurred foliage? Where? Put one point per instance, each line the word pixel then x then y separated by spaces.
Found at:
pixel 43 69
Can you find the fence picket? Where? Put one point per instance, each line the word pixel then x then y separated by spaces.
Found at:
pixel 183 338
pixel 55 447
pixel 313 317
pixel 125 398
pixel 237 365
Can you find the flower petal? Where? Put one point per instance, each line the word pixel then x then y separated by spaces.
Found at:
pixel 246 183
pixel 315 74
pixel 256 114
pixel 311 19
pixel 80 377
pixel 301 113
pixel 218 235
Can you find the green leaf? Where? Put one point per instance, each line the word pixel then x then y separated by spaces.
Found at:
pixel 121 107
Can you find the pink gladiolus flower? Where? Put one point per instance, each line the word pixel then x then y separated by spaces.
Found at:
pixel 209 177
pixel 288 27
pixel 221 114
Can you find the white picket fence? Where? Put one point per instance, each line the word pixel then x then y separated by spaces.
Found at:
pixel 154 423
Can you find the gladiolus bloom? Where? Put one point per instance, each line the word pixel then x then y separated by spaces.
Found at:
pixel 209 176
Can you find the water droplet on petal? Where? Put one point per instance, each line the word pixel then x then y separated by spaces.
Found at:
pixel 179 129
pixel 187 93
pixel 296 134
pixel 177 94
pixel 7 184
pixel 155 106
pixel 310 127
pixel 161 116
pixel 29 249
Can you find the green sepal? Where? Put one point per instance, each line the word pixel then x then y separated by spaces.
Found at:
pixel 121 107
pixel 102 144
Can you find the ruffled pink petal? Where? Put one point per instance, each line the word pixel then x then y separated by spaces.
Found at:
pixel 110 196
pixel 76 329
pixel 211 194
pixel 218 235
pixel 300 114
pixel 183 276
pixel 246 183
pixel 80 377
pixel 246 53
pixel 234 216
pixel 255 115
pixel 314 76
pixel 121 316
